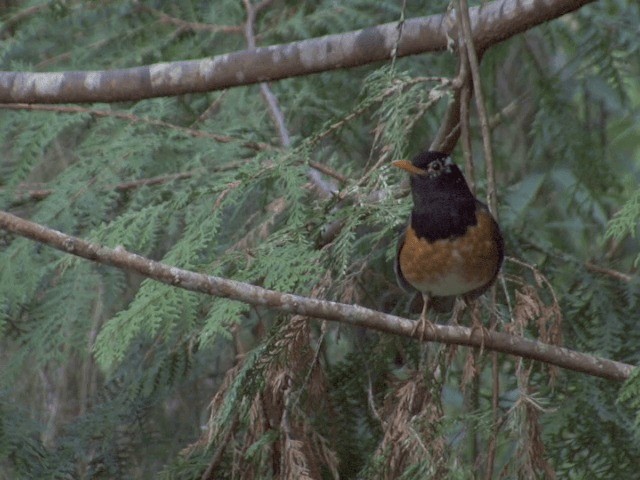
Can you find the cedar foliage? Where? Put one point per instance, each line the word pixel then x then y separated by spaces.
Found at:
pixel 107 375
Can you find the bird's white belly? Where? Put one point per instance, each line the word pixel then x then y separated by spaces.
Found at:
pixel 450 284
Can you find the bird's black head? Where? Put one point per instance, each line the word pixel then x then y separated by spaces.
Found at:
pixel 435 179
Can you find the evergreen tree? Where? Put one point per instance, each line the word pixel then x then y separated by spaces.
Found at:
pixel 288 186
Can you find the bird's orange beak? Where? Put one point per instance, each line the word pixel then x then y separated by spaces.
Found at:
pixel 408 166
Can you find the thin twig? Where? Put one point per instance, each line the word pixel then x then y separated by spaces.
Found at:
pixel 272 102
pixel 394 51
pixel 212 109
pixel 275 112
pixel 68 54
pixel 329 171
pixel 465 132
pixel 18 17
pixel 472 56
pixel 616 274
pixel 354 315
pixel 447 136
pixel 506 112
pixel 133 119
pixel 185 25
pixel 464 79
pixel 26 192
pixel 23 193
pixel 624 277
pixel 474 64
pixel 217 456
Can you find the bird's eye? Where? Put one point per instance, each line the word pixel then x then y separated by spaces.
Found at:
pixel 436 166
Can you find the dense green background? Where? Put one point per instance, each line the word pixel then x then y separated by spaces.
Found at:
pixel 107 375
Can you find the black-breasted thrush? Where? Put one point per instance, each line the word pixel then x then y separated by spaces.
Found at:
pixel 452 245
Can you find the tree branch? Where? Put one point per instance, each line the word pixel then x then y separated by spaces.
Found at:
pixel 310 307
pixel 491 23
pixel 474 65
pixel 275 112
pixel 135 119
pixel 447 136
pixel 270 99
pixel 24 194
pixel 193 26
pixel 623 277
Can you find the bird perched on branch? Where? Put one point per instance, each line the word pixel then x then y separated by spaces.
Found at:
pixel 452 245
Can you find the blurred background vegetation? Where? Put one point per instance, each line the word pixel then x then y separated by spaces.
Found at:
pixel 107 375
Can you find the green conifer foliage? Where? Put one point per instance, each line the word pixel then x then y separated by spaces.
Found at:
pixel 106 374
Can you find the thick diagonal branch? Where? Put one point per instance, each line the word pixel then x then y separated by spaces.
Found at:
pixel 491 23
pixel 310 307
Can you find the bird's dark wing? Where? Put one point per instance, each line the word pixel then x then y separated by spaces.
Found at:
pixel 499 242
pixel 402 282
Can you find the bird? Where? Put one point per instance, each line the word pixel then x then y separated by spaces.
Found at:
pixel 452 245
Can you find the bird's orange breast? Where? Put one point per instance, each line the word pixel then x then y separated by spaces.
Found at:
pixel 453 266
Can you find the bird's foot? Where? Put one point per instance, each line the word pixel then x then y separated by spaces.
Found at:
pixel 425 328
pixel 458 310
pixel 484 333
